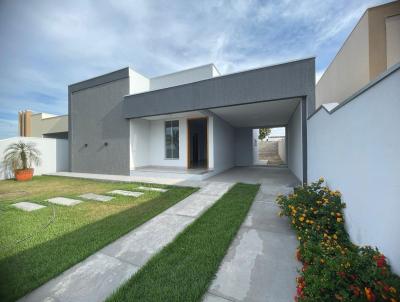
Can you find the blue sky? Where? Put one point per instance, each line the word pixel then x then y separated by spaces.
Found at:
pixel 47 45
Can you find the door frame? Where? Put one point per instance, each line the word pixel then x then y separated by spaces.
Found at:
pixel 188 149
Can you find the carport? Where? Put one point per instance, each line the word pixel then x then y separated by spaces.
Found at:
pixel 279 95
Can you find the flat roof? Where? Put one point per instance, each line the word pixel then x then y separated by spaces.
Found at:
pixel 281 81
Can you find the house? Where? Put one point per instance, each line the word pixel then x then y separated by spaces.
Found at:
pixel 192 120
pixel 42 125
pixel 372 47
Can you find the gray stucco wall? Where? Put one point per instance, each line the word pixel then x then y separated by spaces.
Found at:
pixel 288 80
pixel 356 148
pixel 95 111
pixel 294 148
pixel 243 146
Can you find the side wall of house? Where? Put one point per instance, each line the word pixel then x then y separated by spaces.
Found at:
pixel 356 149
pixel 95 119
pixel 295 144
pixel 243 146
pixel 139 143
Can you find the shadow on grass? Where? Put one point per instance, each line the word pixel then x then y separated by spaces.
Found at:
pixel 27 270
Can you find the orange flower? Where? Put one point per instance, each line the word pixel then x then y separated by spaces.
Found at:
pixel 370 295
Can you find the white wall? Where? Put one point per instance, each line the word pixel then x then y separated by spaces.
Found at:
pixel 224 145
pixel 139 143
pixel 147 143
pixel 295 146
pixel 183 77
pixel 157 144
pixel 282 149
pixel 137 82
pixel 54 154
pixel 356 149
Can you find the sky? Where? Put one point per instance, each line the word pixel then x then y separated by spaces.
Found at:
pixel 47 45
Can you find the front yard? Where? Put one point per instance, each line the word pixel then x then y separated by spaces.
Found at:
pixel 37 246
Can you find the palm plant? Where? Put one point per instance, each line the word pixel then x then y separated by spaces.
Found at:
pixel 21 156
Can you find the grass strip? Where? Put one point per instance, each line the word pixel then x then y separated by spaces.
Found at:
pixel 184 269
pixel 77 232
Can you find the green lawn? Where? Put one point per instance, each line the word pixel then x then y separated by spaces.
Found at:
pixel 184 269
pixel 76 233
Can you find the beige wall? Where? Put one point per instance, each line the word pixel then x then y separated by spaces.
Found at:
pixel 377 36
pixel 347 72
pixel 393 40
pixel 370 49
pixel 43 123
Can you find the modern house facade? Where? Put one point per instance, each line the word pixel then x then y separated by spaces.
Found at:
pixel 194 119
pixel 372 47
pixel 42 125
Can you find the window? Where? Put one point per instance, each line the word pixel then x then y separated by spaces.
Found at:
pixel 172 139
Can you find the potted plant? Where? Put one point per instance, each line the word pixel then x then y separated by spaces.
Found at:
pixel 19 157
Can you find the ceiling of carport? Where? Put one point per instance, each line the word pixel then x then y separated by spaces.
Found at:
pixel 271 113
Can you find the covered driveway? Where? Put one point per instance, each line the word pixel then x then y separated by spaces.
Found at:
pixel 279 95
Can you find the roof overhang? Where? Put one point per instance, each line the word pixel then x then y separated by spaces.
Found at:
pixel 290 80
pixel 261 114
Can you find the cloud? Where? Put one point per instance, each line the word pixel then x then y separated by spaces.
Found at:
pixel 47 45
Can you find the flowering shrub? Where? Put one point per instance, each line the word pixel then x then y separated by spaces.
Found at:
pixel 334 269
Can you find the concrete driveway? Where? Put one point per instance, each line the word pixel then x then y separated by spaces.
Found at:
pixel 260 264
pixel 279 176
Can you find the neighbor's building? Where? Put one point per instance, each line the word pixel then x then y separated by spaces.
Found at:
pixel 42 125
pixel 371 48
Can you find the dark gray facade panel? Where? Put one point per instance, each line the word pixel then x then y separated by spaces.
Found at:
pixel 100 80
pixel 99 135
pixel 276 82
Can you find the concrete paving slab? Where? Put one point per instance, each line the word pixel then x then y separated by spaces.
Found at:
pixel 264 216
pixel 126 193
pixel 63 201
pixel 212 298
pixel 139 246
pixel 152 189
pixel 216 188
pixel 96 197
pixel 259 266
pixel 193 205
pixel 91 280
pixel 28 206
pixel 269 191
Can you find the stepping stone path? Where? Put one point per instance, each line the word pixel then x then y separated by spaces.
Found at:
pixel 96 197
pixel 63 201
pixel 28 206
pixel 126 193
pixel 152 189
